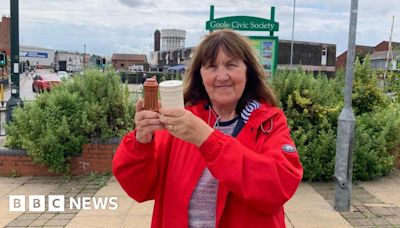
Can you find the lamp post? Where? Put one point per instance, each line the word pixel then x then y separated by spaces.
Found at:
pixel 15 99
pixel 291 44
pixel 84 56
pixel 346 124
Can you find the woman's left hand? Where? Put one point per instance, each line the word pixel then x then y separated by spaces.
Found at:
pixel 185 125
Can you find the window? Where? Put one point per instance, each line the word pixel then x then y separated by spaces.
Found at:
pixel 324 56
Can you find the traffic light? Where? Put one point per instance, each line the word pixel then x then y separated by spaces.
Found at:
pixel 3 59
pixel 98 61
pixel 104 61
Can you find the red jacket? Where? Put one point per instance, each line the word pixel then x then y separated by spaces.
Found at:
pixel 258 171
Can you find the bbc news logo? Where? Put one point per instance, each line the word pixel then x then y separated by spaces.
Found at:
pixel 56 203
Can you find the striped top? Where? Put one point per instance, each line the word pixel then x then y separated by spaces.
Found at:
pixel 202 205
pixel 250 107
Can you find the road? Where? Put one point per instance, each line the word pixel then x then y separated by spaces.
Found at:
pixel 25 83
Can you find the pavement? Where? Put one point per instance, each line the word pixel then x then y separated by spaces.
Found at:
pixel 374 204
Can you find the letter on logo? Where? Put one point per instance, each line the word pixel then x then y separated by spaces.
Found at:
pixel 16 203
pixel 37 203
pixel 56 203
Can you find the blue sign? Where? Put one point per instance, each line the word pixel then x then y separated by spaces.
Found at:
pixel 33 54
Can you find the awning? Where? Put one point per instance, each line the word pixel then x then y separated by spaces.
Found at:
pixel 177 68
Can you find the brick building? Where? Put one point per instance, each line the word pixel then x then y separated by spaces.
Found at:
pixel 378 56
pixel 5 35
pixel 124 61
pixel 379 59
pixel 384 46
pixel 361 51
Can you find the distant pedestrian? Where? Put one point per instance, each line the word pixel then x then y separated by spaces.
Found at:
pixel 144 77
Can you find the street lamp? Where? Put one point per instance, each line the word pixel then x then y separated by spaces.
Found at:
pixel 291 45
pixel 15 99
pixel 346 124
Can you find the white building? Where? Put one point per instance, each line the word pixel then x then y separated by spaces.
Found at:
pixel 378 60
pixel 36 56
pixel 172 39
pixel 68 61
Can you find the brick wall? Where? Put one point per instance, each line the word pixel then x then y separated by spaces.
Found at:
pixel 95 158
pixel 5 34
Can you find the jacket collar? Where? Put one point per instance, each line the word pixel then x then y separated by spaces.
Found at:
pixel 258 116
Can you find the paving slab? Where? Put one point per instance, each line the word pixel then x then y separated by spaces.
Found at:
pixel 386 189
pixel 367 209
pixel 5 215
pixel 100 221
pixel 42 186
pixel 136 221
pixel 309 209
pixel 128 214
pixel 9 218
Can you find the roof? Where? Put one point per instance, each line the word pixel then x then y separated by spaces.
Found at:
pixel 129 57
pixel 394 44
pixel 361 49
pixel 34 47
pixel 382 55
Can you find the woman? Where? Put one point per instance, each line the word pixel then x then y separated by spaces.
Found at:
pixel 227 160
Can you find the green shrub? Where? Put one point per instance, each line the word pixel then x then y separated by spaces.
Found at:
pixel 367 98
pixel 54 127
pixel 312 106
pixel 393 82
pixel 377 137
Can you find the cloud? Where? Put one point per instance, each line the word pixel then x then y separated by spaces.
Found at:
pixel 137 3
pixel 109 26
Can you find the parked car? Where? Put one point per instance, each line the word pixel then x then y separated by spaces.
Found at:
pixel 45 82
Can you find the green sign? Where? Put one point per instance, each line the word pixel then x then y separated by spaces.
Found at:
pixel 266 46
pixel 243 23
pixel 267 51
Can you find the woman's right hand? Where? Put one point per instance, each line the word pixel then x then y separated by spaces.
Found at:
pixel 146 123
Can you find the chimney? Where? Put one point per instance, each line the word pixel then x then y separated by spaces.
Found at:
pixel 157 37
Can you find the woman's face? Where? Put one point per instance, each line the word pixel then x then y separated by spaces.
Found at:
pixel 224 80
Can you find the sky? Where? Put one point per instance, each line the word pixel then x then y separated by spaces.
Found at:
pixel 127 26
